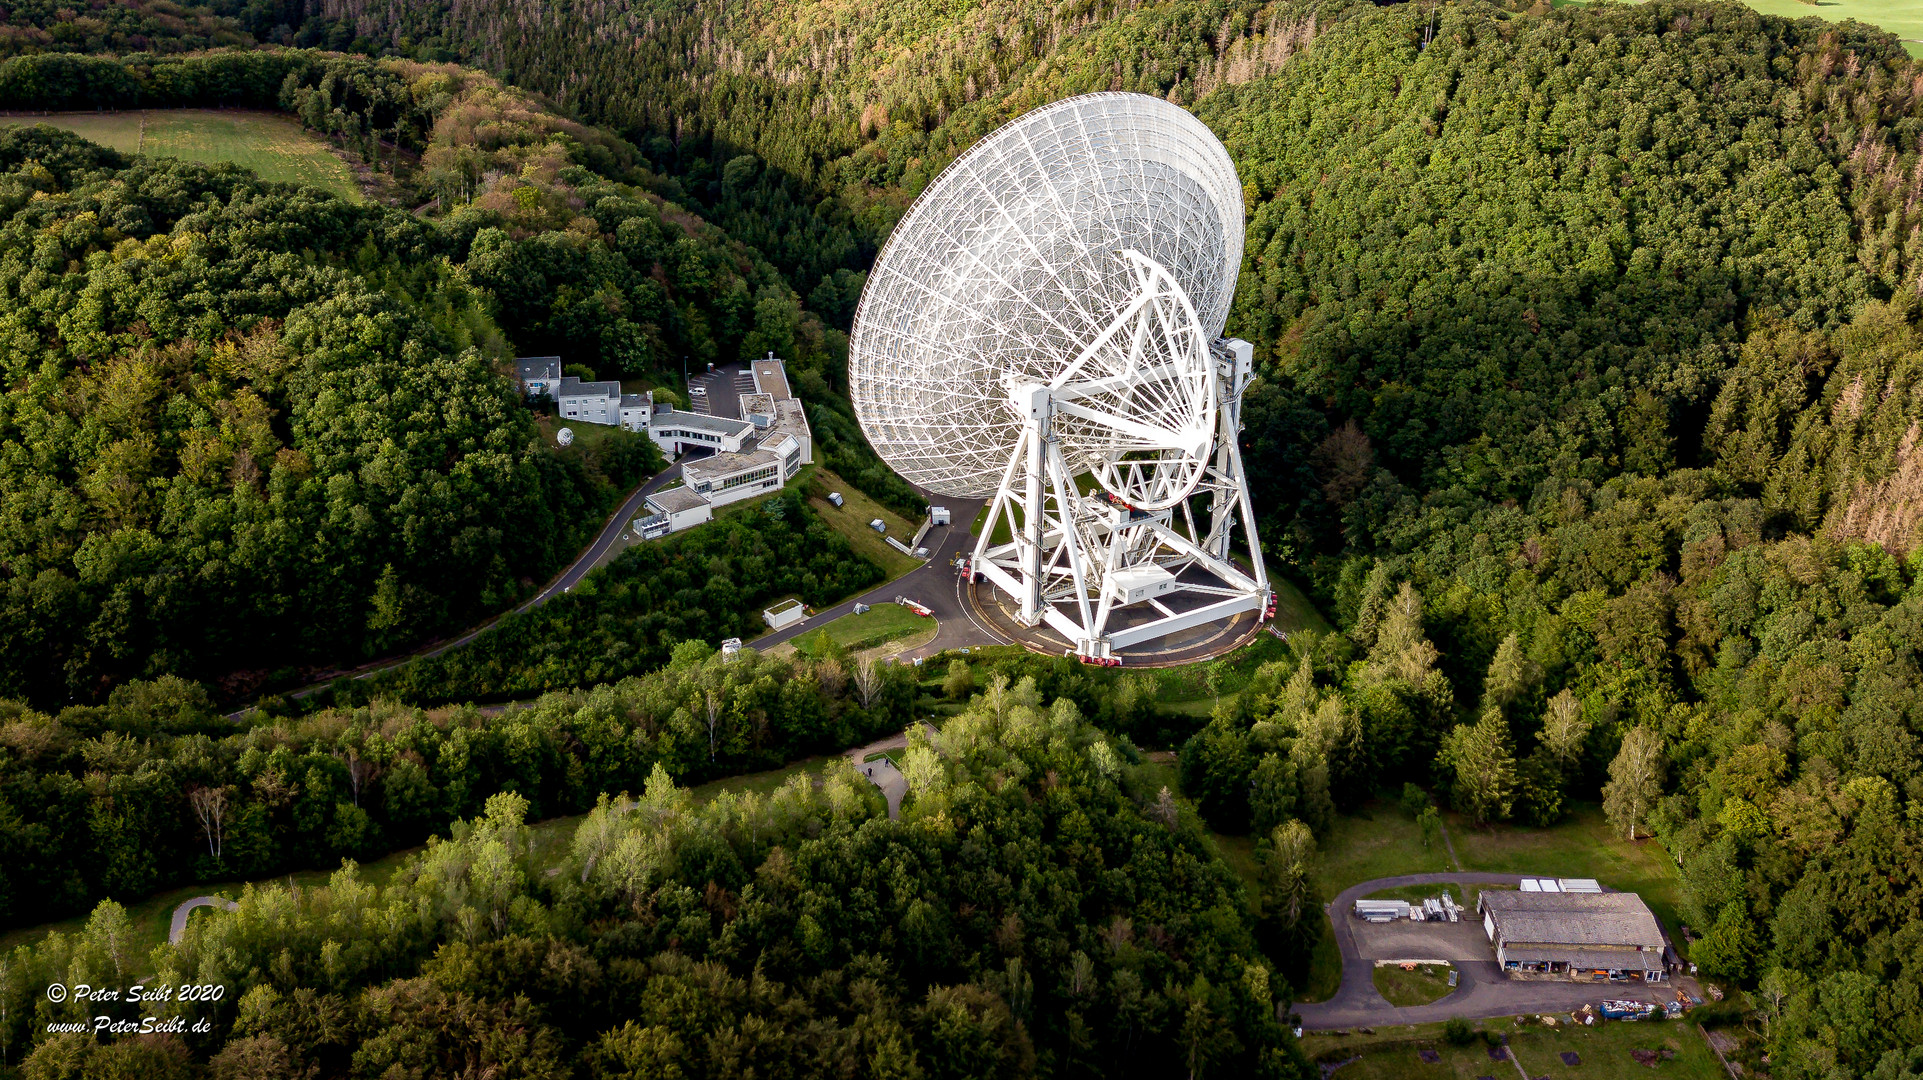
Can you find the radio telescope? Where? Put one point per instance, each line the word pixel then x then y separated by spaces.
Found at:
pixel 1043 330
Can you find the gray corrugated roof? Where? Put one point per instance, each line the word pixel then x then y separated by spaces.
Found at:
pixel 674 500
pixel 1572 918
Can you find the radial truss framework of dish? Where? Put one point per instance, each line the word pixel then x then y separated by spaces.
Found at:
pixel 1015 260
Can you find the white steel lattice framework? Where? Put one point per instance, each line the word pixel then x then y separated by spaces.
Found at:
pixel 1048 310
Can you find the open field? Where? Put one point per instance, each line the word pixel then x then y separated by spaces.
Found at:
pixel 878 625
pixel 1427 983
pixel 1377 841
pixel 114 130
pixel 851 520
pixel 1582 846
pixel 1901 18
pixel 272 145
pixel 1603 1052
pixel 1414 893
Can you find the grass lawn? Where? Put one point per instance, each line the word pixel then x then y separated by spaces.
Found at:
pixel 1415 893
pixel 1202 706
pixel 761 783
pixel 879 624
pixel 1582 846
pixel 1383 843
pixel 851 520
pixel 1325 966
pixel 1427 983
pixel 272 145
pixel 115 130
pixel 1604 1053
pixel 585 434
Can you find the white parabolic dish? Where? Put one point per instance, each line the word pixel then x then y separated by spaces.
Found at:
pixel 1010 265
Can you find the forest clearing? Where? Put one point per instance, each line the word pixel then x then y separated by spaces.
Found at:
pixel 273 146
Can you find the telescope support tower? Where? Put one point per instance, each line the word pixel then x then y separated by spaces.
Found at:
pixel 1075 559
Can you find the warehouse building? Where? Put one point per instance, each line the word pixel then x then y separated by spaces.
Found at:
pixel 1588 936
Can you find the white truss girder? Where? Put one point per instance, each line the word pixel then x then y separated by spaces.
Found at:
pixel 1045 318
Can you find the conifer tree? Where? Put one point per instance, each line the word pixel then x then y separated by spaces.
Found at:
pixel 1511 674
pixel 1401 651
pixel 1373 605
pixel 1484 768
pixel 1564 728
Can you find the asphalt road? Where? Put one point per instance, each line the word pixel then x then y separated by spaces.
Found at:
pixel 597 553
pixel 1484 991
pixel 935 585
pixel 178 928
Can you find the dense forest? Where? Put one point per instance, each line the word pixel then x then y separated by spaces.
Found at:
pixel 247 425
pixel 156 789
pixel 178 483
pixel 1589 406
pixel 1593 328
pixel 1036 909
pixel 702 585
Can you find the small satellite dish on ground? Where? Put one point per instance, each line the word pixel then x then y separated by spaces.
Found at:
pixel 564 437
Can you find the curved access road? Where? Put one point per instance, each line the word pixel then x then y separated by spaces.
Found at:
pixel 179 926
pixel 932 584
pixel 600 551
pixel 1484 991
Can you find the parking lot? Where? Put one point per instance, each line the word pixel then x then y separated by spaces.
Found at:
pixel 1484 990
pixel 718 392
pixel 1405 940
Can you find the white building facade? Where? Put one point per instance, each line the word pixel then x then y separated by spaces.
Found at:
pixel 672 510
pixel 677 432
pixel 588 402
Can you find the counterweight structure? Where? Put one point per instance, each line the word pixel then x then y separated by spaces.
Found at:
pixel 1043 330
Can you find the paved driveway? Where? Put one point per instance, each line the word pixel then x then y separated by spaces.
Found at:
pixel 934 584
pixel 1484 991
